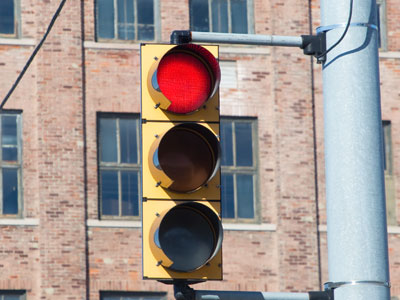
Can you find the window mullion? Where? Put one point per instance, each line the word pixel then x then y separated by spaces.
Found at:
pixel 119 193
pixel 210 19
pixel 135 19
pixel 116 36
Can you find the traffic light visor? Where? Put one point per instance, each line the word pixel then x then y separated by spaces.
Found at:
pixel 184 78
pixel 185 158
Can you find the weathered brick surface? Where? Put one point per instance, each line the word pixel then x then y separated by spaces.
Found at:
pixel 67 86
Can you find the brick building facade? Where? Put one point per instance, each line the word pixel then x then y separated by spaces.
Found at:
pixel 60 240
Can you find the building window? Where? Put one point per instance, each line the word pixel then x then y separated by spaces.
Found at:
pixel 12 295
pixel 10 131
pixel 389 180
pixel 133 296
pixel 381 15
pixel 8 20
pixel 119 165
pixel 127 20
pixel 230 16
pixel 239 168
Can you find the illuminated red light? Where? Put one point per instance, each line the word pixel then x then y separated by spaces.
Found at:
pixel 185 81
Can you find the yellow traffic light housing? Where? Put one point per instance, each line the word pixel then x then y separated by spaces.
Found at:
pixel 181 222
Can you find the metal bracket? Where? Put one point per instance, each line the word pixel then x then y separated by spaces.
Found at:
pixel 182 291
pixel 315 45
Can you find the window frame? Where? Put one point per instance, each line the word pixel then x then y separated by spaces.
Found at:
pixel 390 191
pixel 234 170
pixel 141 295
pixel 250 16
pixel 12 165
pixel 118 166
pixel 382 24
pixel 17 22
pixel 116 39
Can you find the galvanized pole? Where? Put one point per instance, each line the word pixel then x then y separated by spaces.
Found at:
pixel 356 215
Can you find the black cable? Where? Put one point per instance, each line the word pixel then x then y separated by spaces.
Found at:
pixel 33 54
pixel 344 33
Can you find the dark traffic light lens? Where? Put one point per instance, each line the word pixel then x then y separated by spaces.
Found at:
pixel 190 235
pixel 188 154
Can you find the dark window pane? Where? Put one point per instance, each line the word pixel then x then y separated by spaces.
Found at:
pixel 130 193
pixel 128 138
pixel 109 193
pixel 7 17
pixel 10 154
pixel 10 191
pixel 245 204
pixel 145 20
pixel 220 16
pixel 239 16
pixel 227 196
pixel 108 140
pixel 9 130
pixel 126 26
pixel 226 144
pixel 105 19
pixel 244 147
pixel 145 11
pixel 199 20
pixel 12 297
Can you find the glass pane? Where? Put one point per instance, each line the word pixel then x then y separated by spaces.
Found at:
pixel 126 26
pixel 239 16
pixel 128 138
pixel 220 16
pixel 109 193
pixel 145 11
pixel 7 17
pixel 108 140
pixel 244 144
pixel 199 20
pixel 10 154
pixel 130 193
pixel 10 191
pixel 9 130
pixel 12 297
pixel 245 201
pixel 227 196
pixel 145 32
pixel 105 19
pixel 226 143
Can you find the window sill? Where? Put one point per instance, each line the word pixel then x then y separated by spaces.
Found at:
pixel 19 222
pixel 17 42
pixel 389 54
pixel 114 223
pixel 114 46
pixel 249 227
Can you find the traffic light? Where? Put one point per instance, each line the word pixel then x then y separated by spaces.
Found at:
pixel 181 211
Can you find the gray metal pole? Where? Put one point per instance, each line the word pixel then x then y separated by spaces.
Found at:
pixel 246 39
pixel 356 214
pixel 237 295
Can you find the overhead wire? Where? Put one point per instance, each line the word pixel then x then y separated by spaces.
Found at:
pixel 27 64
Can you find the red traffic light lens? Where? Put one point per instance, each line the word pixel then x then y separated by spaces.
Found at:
pixel 185 81
pixel 187 75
